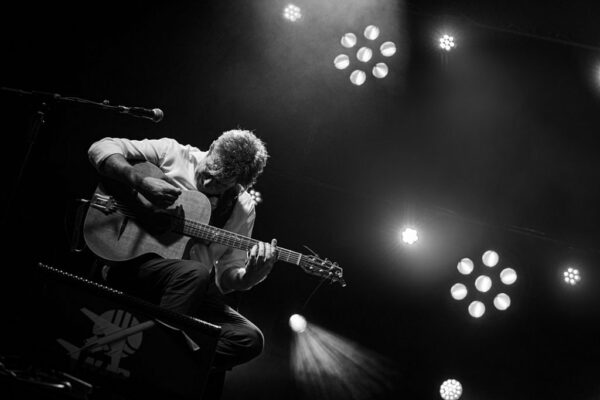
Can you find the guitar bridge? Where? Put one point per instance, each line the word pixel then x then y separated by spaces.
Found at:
pixel 106 204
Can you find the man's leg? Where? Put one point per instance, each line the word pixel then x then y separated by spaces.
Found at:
pixel 176 285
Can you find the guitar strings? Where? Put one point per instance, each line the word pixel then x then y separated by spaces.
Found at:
pixel 208 232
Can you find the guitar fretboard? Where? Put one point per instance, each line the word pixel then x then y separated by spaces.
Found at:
pixel 212 234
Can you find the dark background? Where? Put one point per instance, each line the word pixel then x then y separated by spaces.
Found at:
pixel 491 146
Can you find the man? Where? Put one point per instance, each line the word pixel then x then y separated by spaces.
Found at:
pixel 196 286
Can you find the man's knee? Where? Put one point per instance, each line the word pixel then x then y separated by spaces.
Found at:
pixel 253 343
pixel 192 272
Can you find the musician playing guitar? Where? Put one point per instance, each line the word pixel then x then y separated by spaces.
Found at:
pixel 194 284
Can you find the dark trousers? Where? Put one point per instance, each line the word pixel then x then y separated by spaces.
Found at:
pixel 188 287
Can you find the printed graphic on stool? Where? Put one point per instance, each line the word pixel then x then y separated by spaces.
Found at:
pixel 116 334
pixel 488 278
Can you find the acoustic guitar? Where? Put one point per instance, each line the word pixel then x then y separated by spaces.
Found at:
pixel 121 224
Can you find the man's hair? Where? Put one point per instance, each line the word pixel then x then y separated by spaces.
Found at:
pixel 241 155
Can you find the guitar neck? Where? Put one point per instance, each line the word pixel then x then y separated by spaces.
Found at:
pixel 212 234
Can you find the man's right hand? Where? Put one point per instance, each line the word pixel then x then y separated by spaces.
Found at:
pixel 159 192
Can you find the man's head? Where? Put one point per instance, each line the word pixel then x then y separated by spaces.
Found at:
pixel 235 157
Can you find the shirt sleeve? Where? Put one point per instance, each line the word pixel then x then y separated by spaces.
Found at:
pixel 234 258
pixel 151 150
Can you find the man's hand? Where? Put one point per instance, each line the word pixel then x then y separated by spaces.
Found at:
pixel 260 262
pixel 159 192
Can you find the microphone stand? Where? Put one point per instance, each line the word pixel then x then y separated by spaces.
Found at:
pixel 39 120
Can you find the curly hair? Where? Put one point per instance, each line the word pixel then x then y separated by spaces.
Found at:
pixel 240 155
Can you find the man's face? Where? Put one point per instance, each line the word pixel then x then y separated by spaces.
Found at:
pixel 207 182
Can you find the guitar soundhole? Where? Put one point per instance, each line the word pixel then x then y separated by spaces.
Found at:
pixel 159 222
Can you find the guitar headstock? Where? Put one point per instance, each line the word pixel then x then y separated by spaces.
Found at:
pixel 325 269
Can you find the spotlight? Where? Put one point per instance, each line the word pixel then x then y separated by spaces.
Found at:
pixel 348 40
pixel 256 196
pixel 388 49
pixel 364 54
pixel 451 389
pixel 298 323
pixel 292 13
pixel 476 309
pixel 358 77
pixel 483 283
pixel 380 70
pixel 465 266
pixel 490 258
pixel 410 236
pixel 447 42
pixel 508 276
pixel 571 276
pixel 341 62
pixel 502 301
pixel 371 32
pixel 458 291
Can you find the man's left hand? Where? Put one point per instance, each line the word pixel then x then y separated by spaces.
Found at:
pixel 260 262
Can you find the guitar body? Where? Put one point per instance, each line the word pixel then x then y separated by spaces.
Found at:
pixel 115 236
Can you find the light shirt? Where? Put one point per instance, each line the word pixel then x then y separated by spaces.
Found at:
pixel 180 162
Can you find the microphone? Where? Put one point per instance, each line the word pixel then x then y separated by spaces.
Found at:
pixel 155 114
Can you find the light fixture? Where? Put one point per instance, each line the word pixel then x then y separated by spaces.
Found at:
pixel 256 196
pixel 451 389
pixel 292 13
pixel 410 235
pixel 447 42
pixel 571 276
pixel 298 323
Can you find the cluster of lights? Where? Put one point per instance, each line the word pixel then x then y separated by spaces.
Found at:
pixel 451 389
pixel 256 196
pixel 571 276
pixel 292 13
pixel 410 236
pixel 447 42
pixel 483 283
pixel 364 54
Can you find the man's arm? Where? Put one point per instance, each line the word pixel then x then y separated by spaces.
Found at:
pixel 108 156
pixel 259 264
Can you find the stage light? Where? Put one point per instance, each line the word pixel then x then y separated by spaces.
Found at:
pixel 292 13
pixel 298 323
pixel 502 301
pixel 476 309
pixel 490 258
pixel 371 32
pixel 358 77
pixel 483 283
pixel 388 49
pixel 447 42
pixel 348 40
pixel 256 196
pixel 364 54
pixel 571 276
pixel 328 366
pixel 465 266
pixel 508 276
pixel 458 291
pixel 380 70
pixel 410 236
pixel 451 389
pixel 342 61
